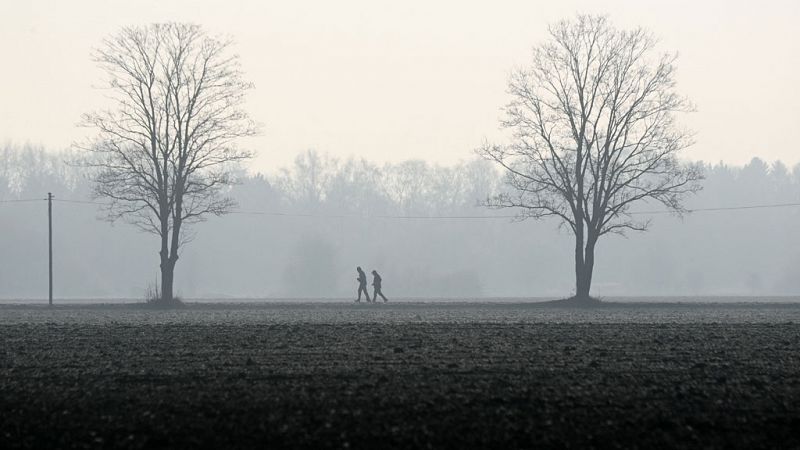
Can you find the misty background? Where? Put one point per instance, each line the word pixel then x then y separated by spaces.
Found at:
pixel 410 87
pixel 301 231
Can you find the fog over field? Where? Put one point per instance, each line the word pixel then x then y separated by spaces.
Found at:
pixel 266 151
pixel 302 231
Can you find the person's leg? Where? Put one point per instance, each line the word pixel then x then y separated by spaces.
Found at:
pixel 382 296
pixel 362 289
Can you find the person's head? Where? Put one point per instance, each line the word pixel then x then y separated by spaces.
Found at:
pixel 374 272
pixel 358 268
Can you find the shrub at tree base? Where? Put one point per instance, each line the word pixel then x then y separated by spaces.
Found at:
pixel 154 299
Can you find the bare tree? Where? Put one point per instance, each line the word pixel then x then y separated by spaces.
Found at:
pixel 308 181
pixel 593 132
pixel 166 151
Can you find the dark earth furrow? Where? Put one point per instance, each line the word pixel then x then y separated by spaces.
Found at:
pixel 380 384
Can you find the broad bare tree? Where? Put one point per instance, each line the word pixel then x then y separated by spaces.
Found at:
pixel 166 150
pixel 593 132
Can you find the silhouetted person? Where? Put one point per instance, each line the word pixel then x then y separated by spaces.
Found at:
pixel 376 284
pixel 362 284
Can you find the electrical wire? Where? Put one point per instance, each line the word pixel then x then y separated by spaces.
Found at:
pixel 723 208
pixel 83 202
pixel 357 216
pixel 466 217
pixel 23 200
pixel 422 217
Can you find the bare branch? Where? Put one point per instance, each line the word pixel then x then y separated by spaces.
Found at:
pixel 166 150
pixel 592 123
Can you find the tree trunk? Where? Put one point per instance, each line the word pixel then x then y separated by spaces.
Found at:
pixel 167 277
pixel 581 287
pixel 584 268
pixel 166 267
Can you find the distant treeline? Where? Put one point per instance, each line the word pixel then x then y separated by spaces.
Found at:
pixel 301 231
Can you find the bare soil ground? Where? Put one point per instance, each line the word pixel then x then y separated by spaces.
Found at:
pixel 400 376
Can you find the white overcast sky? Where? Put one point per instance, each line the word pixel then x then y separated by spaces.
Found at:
pixel 393 80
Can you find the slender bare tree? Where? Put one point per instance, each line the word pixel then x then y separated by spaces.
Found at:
pixel 166 150
pixel 593 131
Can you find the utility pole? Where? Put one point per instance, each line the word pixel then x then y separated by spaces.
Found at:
pixel 50 242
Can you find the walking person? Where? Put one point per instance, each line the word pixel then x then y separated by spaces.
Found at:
pixel 362 284
pixel 376 284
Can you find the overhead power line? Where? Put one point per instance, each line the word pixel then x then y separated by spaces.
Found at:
pixel 83 202
pixel 358 216
pixel 23 200
pixel 422 217
pixel 506 216
pixel 724 208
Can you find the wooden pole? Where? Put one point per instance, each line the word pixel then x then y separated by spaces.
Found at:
pixel 50 244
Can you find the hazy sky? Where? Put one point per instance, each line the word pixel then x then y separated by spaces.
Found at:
pixel 408 79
